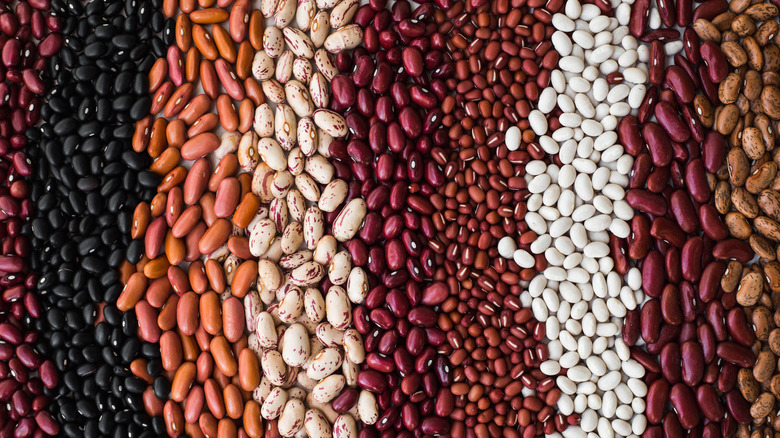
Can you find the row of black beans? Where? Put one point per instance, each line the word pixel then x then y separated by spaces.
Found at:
pixel 85 185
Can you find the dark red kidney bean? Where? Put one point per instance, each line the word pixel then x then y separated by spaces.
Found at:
pixel 372 381
pixel 435 426
pixel 658 144
pixel 684 211
pixel 670 362
pixel 631 327
pixel 630 136
pixel 696 180
pixel 670 305
pixel 692 363
pixel 657 398
pixel 690 257
pixel 688 301
pixel 738 407
pixel 639 16
pixel 684 403
pixel 639 240
pixel 652 274
pixel 733 249
pixel 646 202
pixel 706 338
pixel 715 317
pixel 709 403
pixel 712 224
pixel 709 287
pixel 738 327
pixel 671 121
pixel 668 231
pixel 669 333
pixel 673 265
pixel 736 354
pixel 647 360
pixel 650 321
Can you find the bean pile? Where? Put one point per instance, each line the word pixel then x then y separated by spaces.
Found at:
pixel 270 306
pixel 85 182
pixel 746 192
pixel 316 218
pixel 29 39
pixel 696 339
pixel 577 203
pixel 503 57
pixel 393 94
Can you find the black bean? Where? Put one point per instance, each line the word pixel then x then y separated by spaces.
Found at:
pixel 86 183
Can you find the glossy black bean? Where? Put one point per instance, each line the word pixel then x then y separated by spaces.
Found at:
pixel 86 184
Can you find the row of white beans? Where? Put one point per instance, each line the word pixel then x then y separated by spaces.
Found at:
pixel 574 208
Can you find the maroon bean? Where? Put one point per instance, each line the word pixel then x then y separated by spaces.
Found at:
pixel 712 224
pixel 383 318
pixel 657 398
pixel 658 143
pixel 647 202
pixel 413 62
pixel 422 316
pixel 10 333
pixel 684 212
pixel 372 381
pixel 435 426
pixel 650 321
pixel 670 362
pixel 733 249
pixel 713 151
pixel 28 356
pixel 710 281
pixel 25 428
pixel 657 62
pixel 693 123
pixel 685 404
pixel 709 403
pixel 629 135
pixel 670 305
pixel 706 337
pixel 435 293
pixel 691 258
pixel 665 230
pixel 48 374
pixel 380 363
pixel 388 417
pixel 47 423
pixel 344 92
pixel 646 359
pixel 736 354
pixel 652 274
pixel 671 121
pixel 639 15
pixel 410 122
pixel 738 327
pixel 345 400
pixel 631 327
pixel 692 363
pixel 738 407
pixel 415 341
pixel 680 83
pixel 669 333
pixel 713 57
